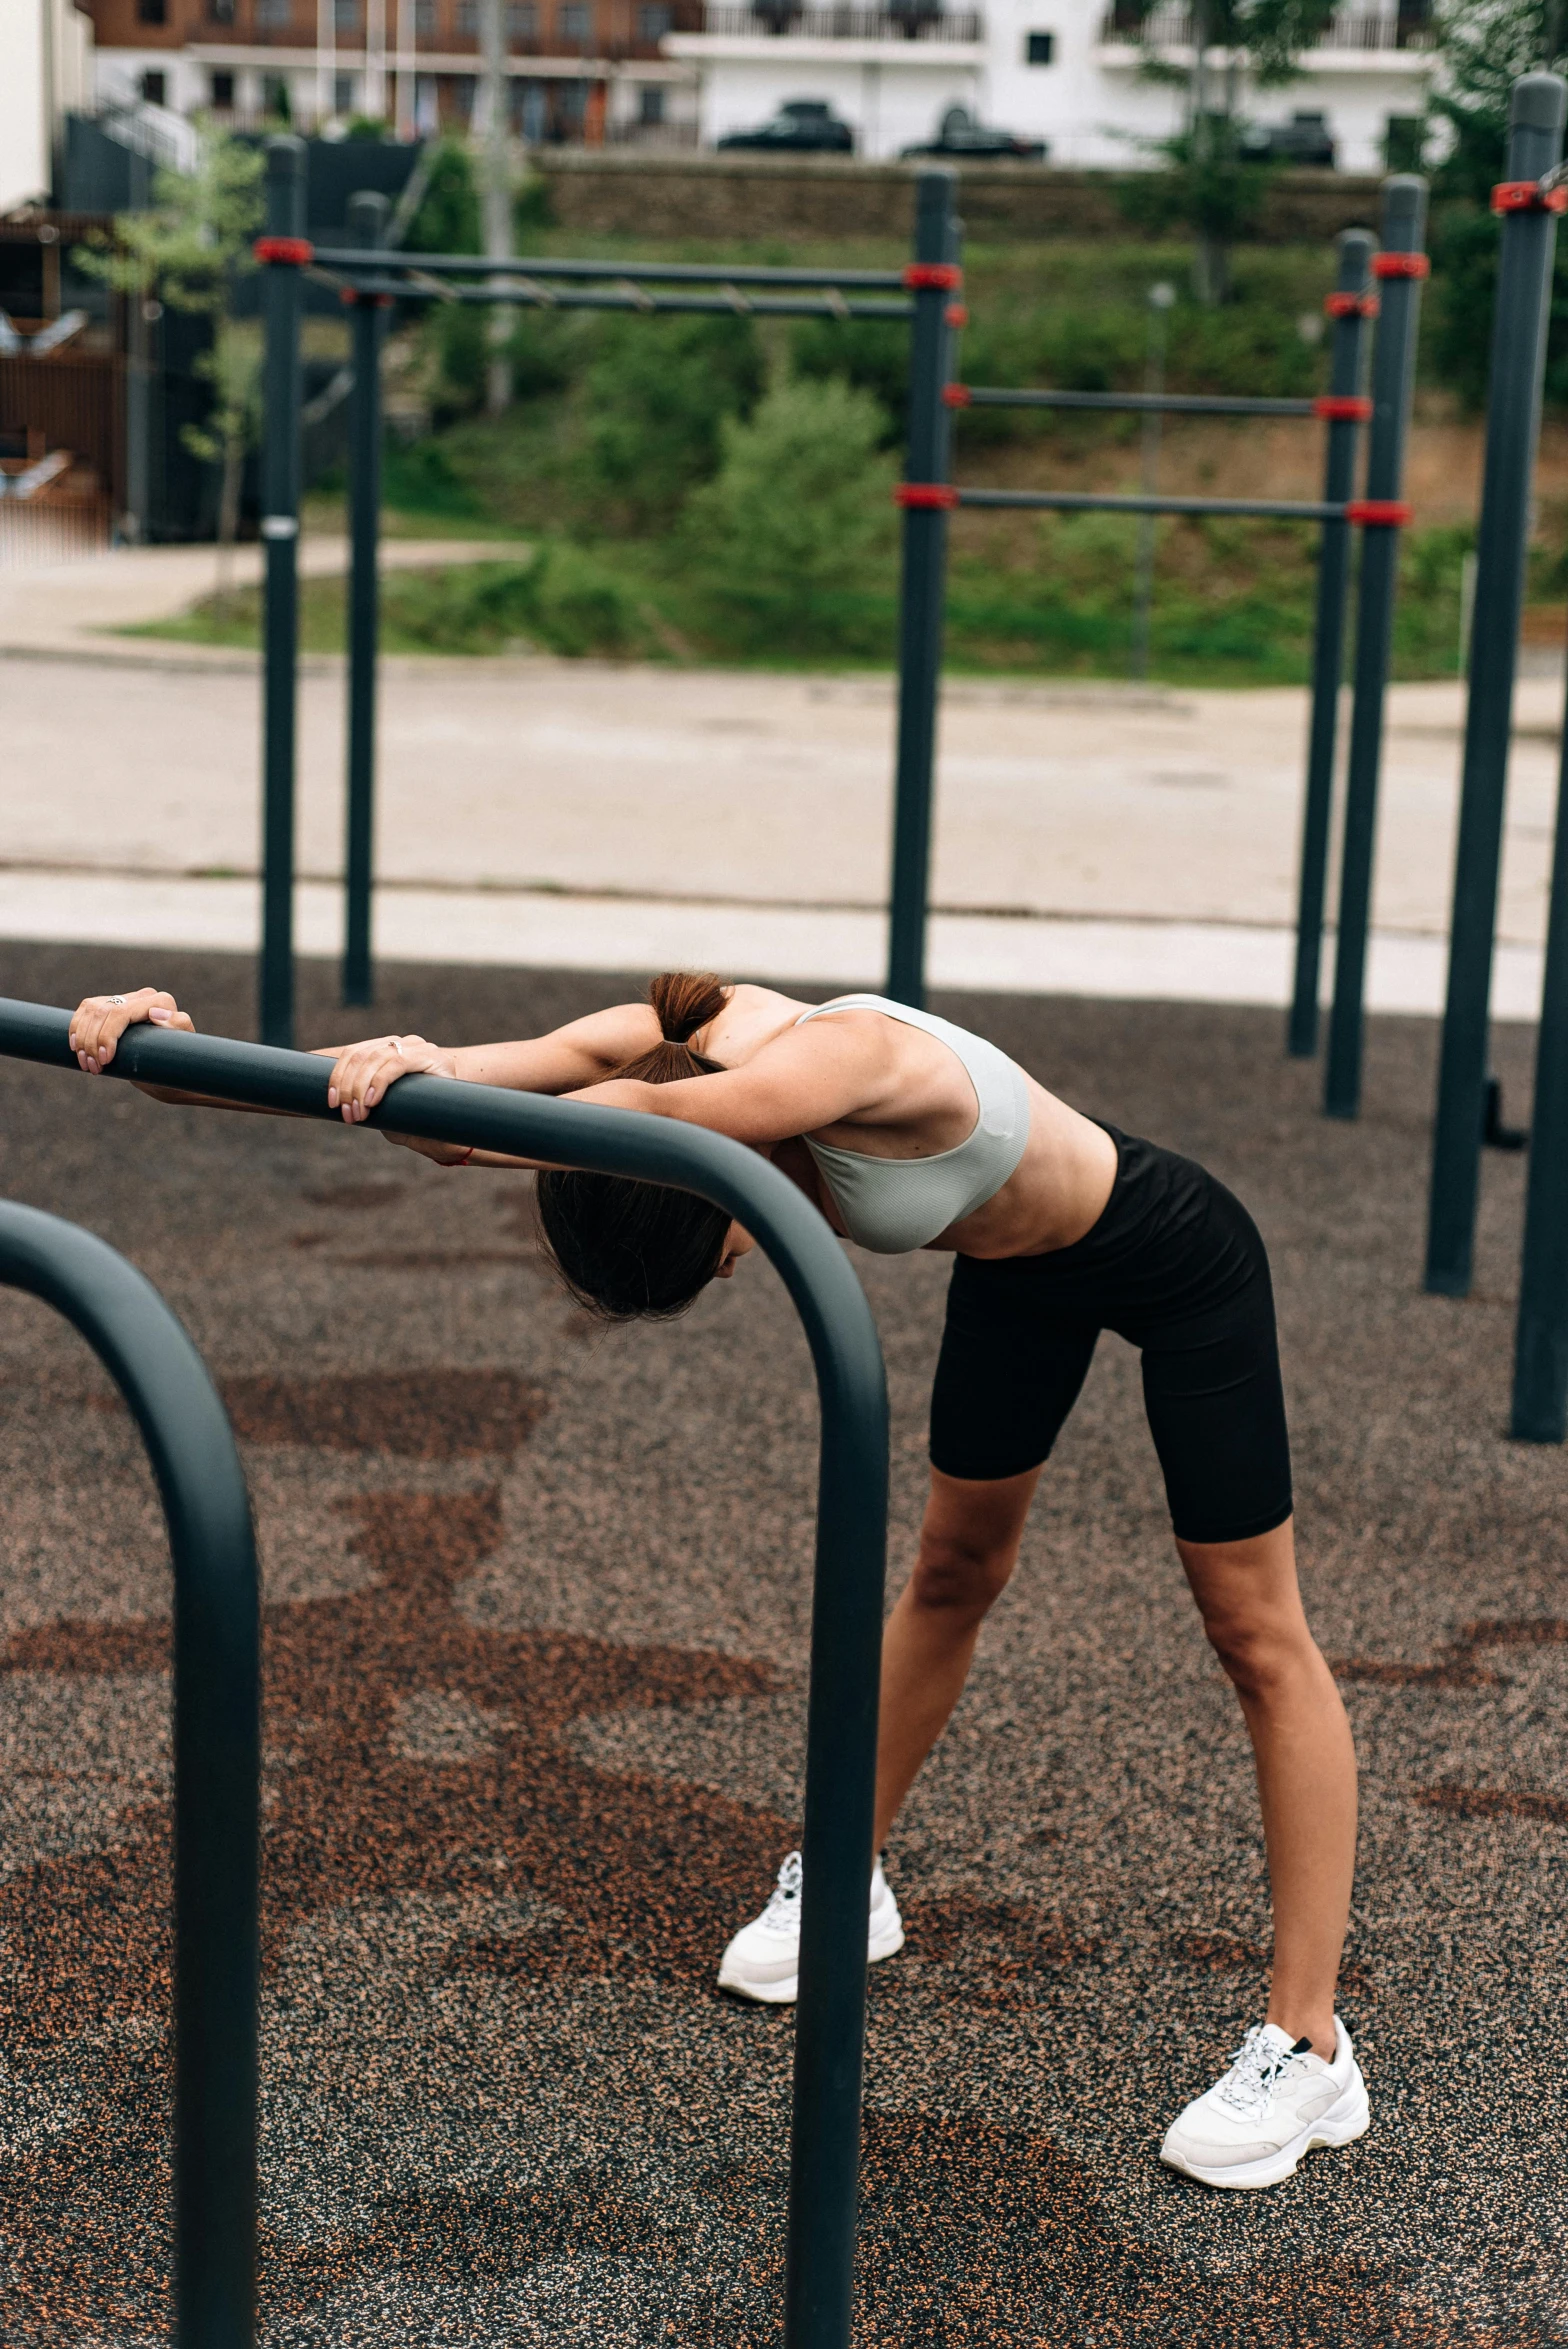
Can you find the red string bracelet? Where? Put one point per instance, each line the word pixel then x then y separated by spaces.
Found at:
pixel 463 1161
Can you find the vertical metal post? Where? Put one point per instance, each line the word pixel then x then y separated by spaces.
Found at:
pixel 1162 298
pixel 1524 277
pixel 1348 306
pixel 1399 269
pixel 927 498
pixel 1540 1402
pixel 367 214
pixel 283 250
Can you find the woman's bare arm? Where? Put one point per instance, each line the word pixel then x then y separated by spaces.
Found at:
pixel 805 1079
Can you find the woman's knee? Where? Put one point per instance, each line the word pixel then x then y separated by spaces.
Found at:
pixel 960 1574
pixel 1262 1657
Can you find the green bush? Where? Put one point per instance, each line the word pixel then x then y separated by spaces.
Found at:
pixel 656 399
pixel 447 220
pixel 792 542
pixel 419 479
pixel 562 600
pixel 861 351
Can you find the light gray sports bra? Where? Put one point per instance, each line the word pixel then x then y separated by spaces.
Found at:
pixel 894 1205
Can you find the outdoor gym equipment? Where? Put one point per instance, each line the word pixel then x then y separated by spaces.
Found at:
pixel 369 278
pixel 217 1727
pixel 1380 514
pixel 846 1626
pixel 1528 203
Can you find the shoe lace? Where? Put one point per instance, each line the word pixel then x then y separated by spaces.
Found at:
pixel 783 1909
pixel 1257 2063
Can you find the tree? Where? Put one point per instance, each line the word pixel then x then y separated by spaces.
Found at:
pixel 1485 45
pixel 1216 186
pixel 188 248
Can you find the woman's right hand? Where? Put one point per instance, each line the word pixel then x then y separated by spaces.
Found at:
pixel 363 1073
pixel 99 1021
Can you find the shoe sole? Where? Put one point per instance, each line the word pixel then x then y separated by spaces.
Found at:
pixel 784 1991
pixel 1341 2125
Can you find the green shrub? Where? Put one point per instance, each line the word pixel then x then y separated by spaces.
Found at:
pixel 447 220
pixel 861 351
pixel 562 600
pixel 656 399
pixel 792 542
pixel 419 480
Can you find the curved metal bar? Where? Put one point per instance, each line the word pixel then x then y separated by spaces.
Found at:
pixel 216 1750
pixel 846 1625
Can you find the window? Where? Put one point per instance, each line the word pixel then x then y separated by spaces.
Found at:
pixel 653 21
pixel 424 20
pixel 275 104
pixel 155 88
pixel 220 11
pixel 576 20
pixel 345 16
pixel 1404 136
pixel 522 24
pixel 274 16
pixel 650 102
pixel 1039 48
pixel 468 20
pixel 152 11
pixel 221 93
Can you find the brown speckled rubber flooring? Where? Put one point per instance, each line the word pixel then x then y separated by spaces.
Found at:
pixel 536 1606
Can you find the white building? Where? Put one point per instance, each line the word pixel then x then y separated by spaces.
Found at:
pixel 45 69
pixel 1065 71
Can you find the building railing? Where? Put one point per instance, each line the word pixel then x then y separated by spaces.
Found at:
pixel 1171 27
pixel 778 20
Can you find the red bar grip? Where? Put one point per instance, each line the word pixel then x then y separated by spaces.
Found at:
pixel 1342 408
pixel 955 395
pixel 924 276
pixel 1351 305
pixel 299 250
pixel 1401 265
pixel 925 494
pixel 956 314
pixel 1524 195
pixel 1381 513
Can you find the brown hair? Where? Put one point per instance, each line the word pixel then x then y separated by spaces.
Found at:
pixel 632 1251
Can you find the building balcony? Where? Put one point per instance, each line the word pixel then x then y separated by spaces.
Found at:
pixel 1350 33
pixel 777 20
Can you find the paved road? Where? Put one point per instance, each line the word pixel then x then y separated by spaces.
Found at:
pixel 133 773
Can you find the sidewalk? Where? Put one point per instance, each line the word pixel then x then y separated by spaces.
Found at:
pixel 1089 838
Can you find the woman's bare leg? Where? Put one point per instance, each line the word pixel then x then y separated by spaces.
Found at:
pixel 968 1549
pixel 1252 1612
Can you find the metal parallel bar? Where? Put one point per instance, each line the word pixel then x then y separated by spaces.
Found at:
pixel 1393 383
pixel 1138 403
pixel 846 1636
pixel 1346 366
pixel 1527 243
pixel 1085 501
pixel 217 1750
pixel 924 571
pixel 522 294
pixel 1540 1397
pixel 353 261
pixel 280 482
pixel 368 213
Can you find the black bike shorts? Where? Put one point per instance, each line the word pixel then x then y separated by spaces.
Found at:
pixel 1176 1266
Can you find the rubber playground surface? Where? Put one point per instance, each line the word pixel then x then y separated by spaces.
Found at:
pixel 536 1610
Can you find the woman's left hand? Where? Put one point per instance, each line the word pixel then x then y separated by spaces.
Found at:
pixel 363 1073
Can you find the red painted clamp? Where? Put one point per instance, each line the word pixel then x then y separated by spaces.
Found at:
pixel 349 297
pixel 956 314
pixel 955 395
pixel 1342 408
pixel 925 494
pixel 299 250
pixel 1351 305
pixel 1401 265
pixel 1524 195
pixel 1380 513
pixel 922 276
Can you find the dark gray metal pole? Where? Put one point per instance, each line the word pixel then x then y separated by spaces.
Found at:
pixel 217 1752
pixel 368 213
pixel 1399 269
pixel 1348 306
pixel 1540 1403
pixel 927 498
pixel 1524 278
pixel 282 250
pixel 846 1633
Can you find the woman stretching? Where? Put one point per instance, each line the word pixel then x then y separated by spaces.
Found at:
pixel 910 1133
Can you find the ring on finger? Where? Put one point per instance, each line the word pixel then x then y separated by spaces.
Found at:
pixel 118 999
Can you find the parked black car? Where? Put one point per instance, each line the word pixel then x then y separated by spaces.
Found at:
pixel 1305 139
pixel 803 126
pixel 958 133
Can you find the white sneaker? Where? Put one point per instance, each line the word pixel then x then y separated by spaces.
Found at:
pixel 763 1960
pixel 1275 2103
